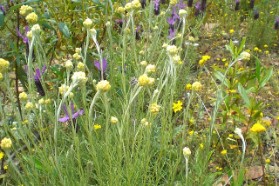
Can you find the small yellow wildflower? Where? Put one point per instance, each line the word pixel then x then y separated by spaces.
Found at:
pixel 186 152
pixel 41 101
pixel 191 132
pixel 113 120
pixel 266 52
pixel 76 56
pixel 6 143
pixel 201 146
pixel 233 146
pixel 63 89
pixel 230 135
pixel 87 23
pixel 103 86
pixel 224 152
pixel 258 127
pixel 144 80
pixel 173 2
pixel 196 86
pixel 6 167
pixel 265 46
pixel 23 96
pixel 143 63
pixel 177 106
pixel 80 66
pixel 25 9
pixel 1 155
pixel 120 10
pixel 154 108
pixel 256 49
pixel 219 168
pixel 136 4
pixel 4 64
pixel 97 126
pixel 231 31
pixel 79 77
pixel 172 50
pixel 267 161
pixel 68 65
pixel 266 122
pixel 29 106
pixel 144 122
pixel 150 68
pixel 32 18
pixel 188 86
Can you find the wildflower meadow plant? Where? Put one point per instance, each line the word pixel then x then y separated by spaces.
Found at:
pixel 138 92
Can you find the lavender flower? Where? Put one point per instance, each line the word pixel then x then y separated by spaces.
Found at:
pixel 276 24
pixel 74 114
pixel 23 37
pixel 198 8
pixel 174 18
pixel 2 8
pixel 156 7
pixel 237 5
pixel 190 3
pixel 119 22
pixel 97 64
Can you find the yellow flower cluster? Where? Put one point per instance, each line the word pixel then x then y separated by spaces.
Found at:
pixel 173 2
pixel 63 89
pixel 204 59
pixel 23 96
pixel 135 4
pixel 79 77
pixel 154 108
pixel 258 128
pixel 25 9
pixel 150 68
pixel 144 122
pixel 87 23
pixel 177 106
pixel 113 120
pixel 103 86
pixel 144 80
pixel 4 65
pixel 29 106
pixel 32 18
pixel 6 143
pixel 1 155
pixel 196 86
pixel 97 126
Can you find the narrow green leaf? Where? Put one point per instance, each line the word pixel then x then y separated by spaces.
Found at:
pixel 221 78
pixel 258 69
pixel 244 95
pixel 267 76
pixel 64 29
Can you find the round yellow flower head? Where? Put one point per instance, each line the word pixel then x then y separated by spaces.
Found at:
pixel 224 152
pixel 143 63
pixel 145 122
pixel 143 80
pixel 186 152
pixel 1 155
pixel 32 18
pixel 23 96
pixel 128 6
pixel 41 101
pixel 68 65
pixel 79 77
pixel 113 120
pixel 136 4
pixel 188 86
pixel 4 65
pixel 231 31
pixel 78 50
pixel 196 86
pixel 257 127
pixel 63 89
pixel 29 106
pixel 25 9
pixel 80 66
pixel 76 56
pixel 6 143
pixel 29 35
pixel 172 50
pixel 245 56
pixel 182 12
pixel 36 28
pixel 173 2
pixel 150 68
pixel 154 108
pixel 87 23
pixel 120 10
pixel 103 86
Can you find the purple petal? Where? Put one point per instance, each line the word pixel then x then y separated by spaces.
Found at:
pixel 97 64
pixel 37 74
pixel 2 8
pixel 72 107
pixel 65 110
pixel 78 113
pixel 64 119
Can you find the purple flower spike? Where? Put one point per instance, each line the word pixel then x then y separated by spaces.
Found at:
pixel 39 73
pixel 24 38
pixel 2 8
pixel 75 115
pixel 97 64
pixel 156 7
pixel 198 8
